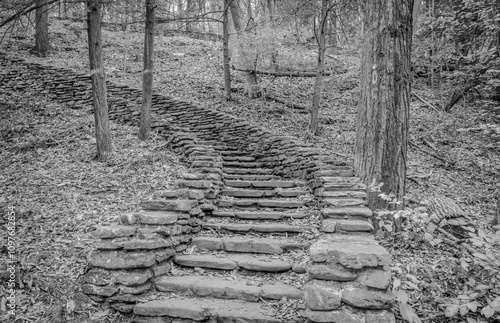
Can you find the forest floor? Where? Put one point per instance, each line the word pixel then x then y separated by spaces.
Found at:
pixel 60 193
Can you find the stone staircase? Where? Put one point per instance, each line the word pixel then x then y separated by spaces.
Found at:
pixel 234 242
pixel 251 253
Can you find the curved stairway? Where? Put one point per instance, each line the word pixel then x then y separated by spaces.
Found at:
pixel 248 264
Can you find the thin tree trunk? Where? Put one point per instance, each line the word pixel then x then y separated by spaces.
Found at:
pixel 321 66
pixel 382 122
pixel 98 80
pixel 42 45
pixel 147 74
pixel 225 49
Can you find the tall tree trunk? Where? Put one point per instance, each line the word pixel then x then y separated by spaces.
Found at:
pixel 252 87
pixel 147 74
pixel 319 70
pixel 42 44
pixel 98 80
pixel 225 49
pixel 382 122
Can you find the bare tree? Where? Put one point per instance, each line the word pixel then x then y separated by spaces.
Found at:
pixel 98 79
pixel 42 44
pixel 147 74
pixel 225 49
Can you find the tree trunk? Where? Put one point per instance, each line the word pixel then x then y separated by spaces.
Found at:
pixel 252 87
pixel 98 80
pixel 321 66
pixel 42 44
pixel 147 74
pixel 382 122
pixel 225 49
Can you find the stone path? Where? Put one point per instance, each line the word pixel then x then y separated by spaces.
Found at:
pixel 260 225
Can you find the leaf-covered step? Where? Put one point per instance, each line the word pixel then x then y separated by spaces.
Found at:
pixel 232 153
pixel 248 177
pixel 260 215
pixel 261 263
pixel 343 202
pixel 343 194
pixel 339 212
pixel 239 158
pixel 248 171
pixel 269 184
pixel 215 287
pixel 267 227
pixel 240 164
pixel 249 245
pixel 249 193
pixel 346 225
pixel 218 310
pixel 262 203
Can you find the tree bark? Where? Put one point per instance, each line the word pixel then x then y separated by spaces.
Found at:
pixel 42 44
pixel 313 127
pixel 225 50
pixel 382 122
pixel 147 74
pixel 98 80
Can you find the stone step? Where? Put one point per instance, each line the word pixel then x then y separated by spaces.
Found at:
pixel 267 228
pixel 224 147
pixel 270 184
pixel 241 289
pixel 261 263
pixel 215 310
pixel 248 244
pixel 346 225
pixel 343 194
pixel 260 215
pixel 334 186
pixel 343 202
pixel 239 158
pixel 240 164
pixel 262 193
pixel 248 177
pixel 341 212
pixel 248 171
pixel 232 153
pixel 261 203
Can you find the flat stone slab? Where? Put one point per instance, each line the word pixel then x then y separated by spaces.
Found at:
pixel 273 184
pixel 248 177
pixel 247 245
pixel 241 289
pixel 280 204
pixel 205 261
pixel 351 251
pixel 121 259
pixel 269 215
pixel 253 245
pixel 346 211
pixel 344 194
pixel 291 193
pixel 244 193
pixel 169 205
pixel 344 186
pixel 268 227
pixel 252 263
pixel 349 225
pixel 343 202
